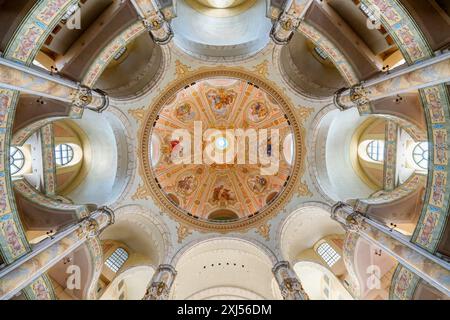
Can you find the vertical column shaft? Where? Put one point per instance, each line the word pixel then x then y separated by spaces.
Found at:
pixel 425 265
pixel 25 270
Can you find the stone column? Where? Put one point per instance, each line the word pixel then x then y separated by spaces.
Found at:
pixel 161 283
pixel 156 21
pixel 44 255
pixel 15 76
pixel 290 286
pixel 425 265
pixel 424 74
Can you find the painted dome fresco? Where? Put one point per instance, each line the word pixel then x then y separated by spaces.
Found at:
pixel 224 150
pixel 221 151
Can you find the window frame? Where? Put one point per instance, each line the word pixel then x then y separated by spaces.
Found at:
pixel 328 254
pixel 421 154
pixel 378 155
pixel 69 154
pixel 117 259
pixel 13 161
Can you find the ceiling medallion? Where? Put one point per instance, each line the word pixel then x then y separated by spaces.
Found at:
pixel 221 150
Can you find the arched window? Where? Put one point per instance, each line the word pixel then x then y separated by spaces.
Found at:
pixel 421 155
pixel 63 154
pixel 16 160
pixel 70 12
pixel 322 54
pixel 328 254
pixel 375 150
pixel 117 259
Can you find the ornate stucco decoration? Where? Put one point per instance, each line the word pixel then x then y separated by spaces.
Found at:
pixel 304 113
pixel 303 190
pixel 358 95
pixel 82 97
pixel 182 232
pixel 137 114
pixel 181 69
pixel 142 193
pixel 152 187
pixel 262 69
pixel 264 231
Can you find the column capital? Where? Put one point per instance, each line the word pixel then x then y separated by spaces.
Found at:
pixel 161 283
pixel 359 94
pixel 93 225
pixel 355 96
pixel 284 27
pixel 350 219
pixel 290 286
pixel 158 27
pixel 82 97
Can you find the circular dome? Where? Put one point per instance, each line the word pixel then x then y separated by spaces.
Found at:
pixel 221 4
pixel 216 29
pixel 221 152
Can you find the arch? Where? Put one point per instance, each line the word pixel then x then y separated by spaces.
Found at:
pixel 142 231
pixel 304 227
pixel 314 277
pixel 131 284
pixel 42 215
pixel 331 159
pixel 230 37
pixel 225 293
pixel 134 70
pixel 306 72
pixel 82 261
pixel 337 168
pixel 106 155
pixel 373 268
pixel 19 49
pixel 217 264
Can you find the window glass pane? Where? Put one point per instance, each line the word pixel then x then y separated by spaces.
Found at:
pixel 321 53
pixel 63 154
pixel 70 11
pixel 369 14
pixel 328 254
pixel 375 150
pixel 421 155
pixel 16 160
pixel 117 259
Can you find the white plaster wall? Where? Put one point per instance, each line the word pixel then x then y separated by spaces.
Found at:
pixel 98 185
pixel 238 35
pixel 344 182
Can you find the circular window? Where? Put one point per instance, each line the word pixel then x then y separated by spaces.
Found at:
pixel 421 155
pixel 16 160
pixel 375 150
pixel 63 154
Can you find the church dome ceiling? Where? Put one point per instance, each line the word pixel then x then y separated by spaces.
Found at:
pixel 244 146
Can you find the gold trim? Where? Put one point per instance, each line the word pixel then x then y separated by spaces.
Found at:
pixel 203 225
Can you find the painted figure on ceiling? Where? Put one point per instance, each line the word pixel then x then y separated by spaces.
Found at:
pixel 220 100
pixel 184 112
pixel 258 112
